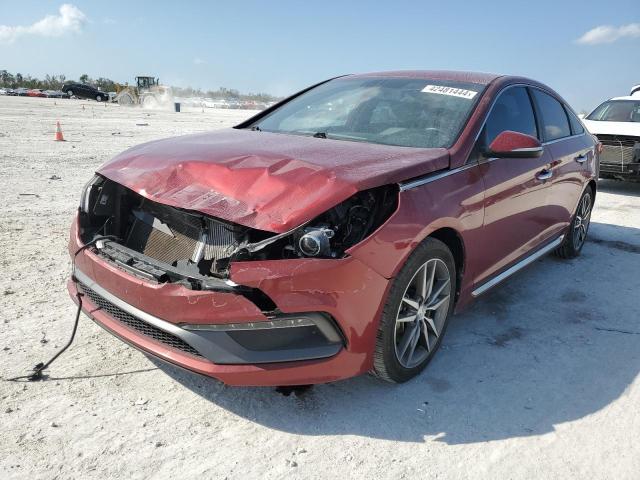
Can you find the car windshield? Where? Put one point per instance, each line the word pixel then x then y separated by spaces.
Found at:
pixel 406 112
pixel 617 111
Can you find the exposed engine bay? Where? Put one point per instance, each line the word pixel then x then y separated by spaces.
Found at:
pixel 165 243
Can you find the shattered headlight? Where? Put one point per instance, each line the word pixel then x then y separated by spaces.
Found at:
pixel 329 235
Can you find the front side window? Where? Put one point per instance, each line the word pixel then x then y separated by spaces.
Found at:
pixel 555 123
pixel 511 111
pixel 617 111
pixel 406 112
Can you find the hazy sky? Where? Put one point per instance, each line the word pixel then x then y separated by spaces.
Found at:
pixel 587 51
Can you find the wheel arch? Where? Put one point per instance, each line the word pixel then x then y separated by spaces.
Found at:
pixel 591 184
pixel 454 242
pixel 594 188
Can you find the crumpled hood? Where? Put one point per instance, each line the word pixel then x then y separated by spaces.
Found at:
pixel 268 181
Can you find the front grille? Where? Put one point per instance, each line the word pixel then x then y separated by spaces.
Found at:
pixel 617 149
pixel 136 324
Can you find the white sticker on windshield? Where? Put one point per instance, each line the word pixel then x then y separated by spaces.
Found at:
pixel 451 91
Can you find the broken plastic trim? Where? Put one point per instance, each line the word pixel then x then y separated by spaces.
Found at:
pixel 236 347
pixel 257 246
pixel 148 268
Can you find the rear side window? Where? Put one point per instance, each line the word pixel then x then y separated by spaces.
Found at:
pixel 555 123
pixel 512 111
pixel 576 126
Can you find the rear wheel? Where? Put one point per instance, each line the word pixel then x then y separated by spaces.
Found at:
pixel 70 93
pixel 98 98
pixel 416 314
pixel 578 229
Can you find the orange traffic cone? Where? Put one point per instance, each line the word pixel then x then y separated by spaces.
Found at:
pixel 59 137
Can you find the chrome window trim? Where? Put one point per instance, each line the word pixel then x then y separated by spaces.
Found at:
pixel 432 177
pixel 410 184
pixel 526 85
pixel 564 138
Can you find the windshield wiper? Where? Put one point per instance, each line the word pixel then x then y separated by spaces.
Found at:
pixel 320 135
pixel 256 128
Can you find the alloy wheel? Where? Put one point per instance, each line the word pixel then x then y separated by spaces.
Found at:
pixel 581 222
pixel 422 313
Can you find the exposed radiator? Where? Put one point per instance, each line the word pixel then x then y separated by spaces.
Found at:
pixel 183 240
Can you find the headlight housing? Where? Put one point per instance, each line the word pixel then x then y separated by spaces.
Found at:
pixel 87 194
pixel 329 235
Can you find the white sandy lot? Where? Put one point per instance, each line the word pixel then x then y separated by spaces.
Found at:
pixel 538 379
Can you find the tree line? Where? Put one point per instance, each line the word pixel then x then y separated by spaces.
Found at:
pixel 55 82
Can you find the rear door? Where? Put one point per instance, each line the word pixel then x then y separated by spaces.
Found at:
pixel 517 212
pixel 573 155
pixel 86 91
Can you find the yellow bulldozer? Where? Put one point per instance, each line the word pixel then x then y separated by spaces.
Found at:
pixel 148 92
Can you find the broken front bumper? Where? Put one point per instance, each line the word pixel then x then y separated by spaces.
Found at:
pixel 323 329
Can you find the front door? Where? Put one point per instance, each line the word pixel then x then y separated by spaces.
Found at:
pixel 517 208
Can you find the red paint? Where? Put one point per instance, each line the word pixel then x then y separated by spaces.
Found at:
pixel 498 209
pixel 509 141
pixel 263 180
pixel 346 288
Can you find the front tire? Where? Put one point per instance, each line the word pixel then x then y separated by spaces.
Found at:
pixel 98 98
pixel 416 314
pixel 578 228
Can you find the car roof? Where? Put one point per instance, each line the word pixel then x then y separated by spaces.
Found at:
pixel 455 76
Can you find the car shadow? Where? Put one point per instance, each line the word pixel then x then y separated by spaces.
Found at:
pixel 631 189
pixel 548 347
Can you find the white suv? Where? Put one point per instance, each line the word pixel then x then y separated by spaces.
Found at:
pixel 616 123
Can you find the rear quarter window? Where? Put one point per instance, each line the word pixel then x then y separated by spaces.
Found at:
pixel 576 126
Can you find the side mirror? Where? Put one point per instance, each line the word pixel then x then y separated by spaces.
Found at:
pixel 510 144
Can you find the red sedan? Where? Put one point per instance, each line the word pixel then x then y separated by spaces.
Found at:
pixel 36 92
pixel 336 232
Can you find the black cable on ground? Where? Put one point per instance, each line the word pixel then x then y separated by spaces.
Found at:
pixel 42 366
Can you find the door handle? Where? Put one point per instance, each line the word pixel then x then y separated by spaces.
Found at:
pixel 581 158
pixel 544 175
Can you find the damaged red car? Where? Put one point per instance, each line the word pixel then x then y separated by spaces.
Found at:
pixel 335 233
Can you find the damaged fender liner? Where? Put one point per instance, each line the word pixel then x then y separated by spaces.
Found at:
pixel 143 266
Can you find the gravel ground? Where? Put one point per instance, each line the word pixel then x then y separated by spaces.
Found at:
pixel 538 379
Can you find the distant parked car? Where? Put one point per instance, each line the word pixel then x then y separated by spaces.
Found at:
pixel 22 92
pixel 55 94
pixel 82 90
pixel 3 91
pixel 11 92
pixel 616 123
pixel 36 92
